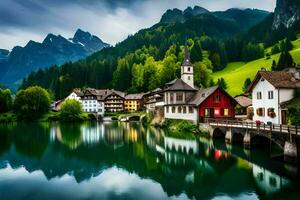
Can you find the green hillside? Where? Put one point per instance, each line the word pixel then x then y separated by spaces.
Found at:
pixel 236 73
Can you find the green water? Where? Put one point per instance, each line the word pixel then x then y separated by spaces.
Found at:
pixel 129 161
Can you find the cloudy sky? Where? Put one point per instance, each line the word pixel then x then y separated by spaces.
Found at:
pixel 111 20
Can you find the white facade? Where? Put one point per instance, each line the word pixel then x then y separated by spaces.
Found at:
pixel 187 75
pixel 93 106
pixel 73 95
pixel 266 97
pixel 181 112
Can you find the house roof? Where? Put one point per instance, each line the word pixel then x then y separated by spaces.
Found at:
pixel 243 101
pixel 135 96
pixel 78 92
pixel 279 79
pixel 102 94
pixel 179 85
pixel 203 94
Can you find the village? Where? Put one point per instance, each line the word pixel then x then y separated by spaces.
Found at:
pixel 265 102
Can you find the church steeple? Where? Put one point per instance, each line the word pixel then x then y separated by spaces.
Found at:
pixel 187 69
pixel 187 56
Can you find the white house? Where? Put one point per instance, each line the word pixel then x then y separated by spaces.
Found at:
pixel 270 91
pixel 76 94
pixel 93 101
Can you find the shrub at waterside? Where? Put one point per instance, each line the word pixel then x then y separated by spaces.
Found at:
pixel 5 100
pixel 71 110
pixel 32 103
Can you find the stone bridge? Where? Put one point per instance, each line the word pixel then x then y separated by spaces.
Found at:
pixel 132 117
pixel 251 134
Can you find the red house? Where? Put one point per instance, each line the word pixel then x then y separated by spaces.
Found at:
pixel 214 102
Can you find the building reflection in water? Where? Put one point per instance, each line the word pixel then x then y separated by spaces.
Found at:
pixel 194 156
pixel 267 181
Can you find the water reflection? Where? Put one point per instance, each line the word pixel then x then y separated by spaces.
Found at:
pixel 129 161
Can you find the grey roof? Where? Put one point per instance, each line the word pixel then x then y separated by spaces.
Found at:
pixel 135 96
pixel 102 94
pixel 119 93
pixel 202 94
pixel 179 85
pixel 243 101
pixel 187 57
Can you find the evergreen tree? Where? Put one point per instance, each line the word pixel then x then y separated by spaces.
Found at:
pixel 275 49
pixel 286 45
pixel 196 53
pixel 246 85
pixel 285 61
pixel 274 65
pixel 222 83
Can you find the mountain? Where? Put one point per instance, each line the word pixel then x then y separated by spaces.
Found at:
pixel 54 50
pixel 287 13
pixel 114 66
pixel 244 18
pixel 3 54
pixel 89 42
pixel 176 15
pixel 284 22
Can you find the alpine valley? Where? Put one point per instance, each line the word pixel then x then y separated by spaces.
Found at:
pixel 222 45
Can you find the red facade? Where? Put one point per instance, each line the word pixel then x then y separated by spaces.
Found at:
pixel 219 105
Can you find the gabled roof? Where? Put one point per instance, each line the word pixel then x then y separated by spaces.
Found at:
pixel 243 101
pixel 135 96
pixel 203 94
pixel 116 92
pixel 179 85
pixel 279 79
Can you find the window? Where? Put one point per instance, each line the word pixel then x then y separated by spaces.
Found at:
pixel 271 112
pixel 179 97
pixel 189 78
pixel 217 98
pixel 260 112
pixel 226 112
pixel 271 95
pixel 184 109
pixel 189 69
pixel 259 95
pixel 173 109
pixel 191 110
pixel 207 112
pixel 179 109
pixel 167 109
pixel 171 97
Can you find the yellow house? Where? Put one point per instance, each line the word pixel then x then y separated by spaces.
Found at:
pixel 133 102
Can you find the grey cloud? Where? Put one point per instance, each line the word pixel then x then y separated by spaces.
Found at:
pixel 112 20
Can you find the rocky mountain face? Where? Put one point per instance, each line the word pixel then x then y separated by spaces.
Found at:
pixel 287 13
pixel 54 50
pixel 243 18
pixel 176 15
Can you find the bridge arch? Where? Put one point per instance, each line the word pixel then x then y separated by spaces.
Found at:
pixel 237 138
pixel 261 140
pixel 218 133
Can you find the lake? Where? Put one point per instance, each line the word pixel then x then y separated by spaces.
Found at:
pixel 129 161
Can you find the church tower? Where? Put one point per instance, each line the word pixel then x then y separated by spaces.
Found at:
pixel 187 69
